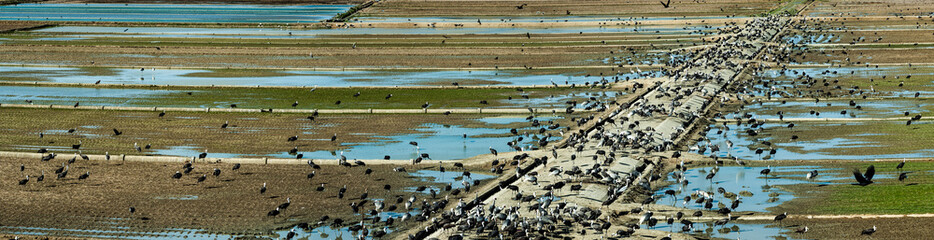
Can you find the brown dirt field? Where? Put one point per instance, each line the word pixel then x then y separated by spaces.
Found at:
pixel 872 56
pixel 869 8
pixel 887 228
pixel 402 8
pixel 247 134
pixel 441 56
pixel 265 2
pixel 230 203
pixel 15 25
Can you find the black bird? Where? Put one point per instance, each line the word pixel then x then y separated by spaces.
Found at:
pixel 283 206
pixel 41 177
pixel 76 146
pixel 781 217
pixel 202 178
pixel 22 167
pixel 292 138
pixel 900 165
pixel 902 176
pixel 236 166
pixel 84 176
pixel 868 231
pixel 177 175
pixel 224 125
pixel 117 132
pixel 132 210
pixel 320 188
pixel 24 181
pixel 162 114
pixel 864 179
pixel 295 104
pixel 217 172
pixel 262 190
pixel 388 96
pixel 273 213
pixel 334 138
pixel 368 171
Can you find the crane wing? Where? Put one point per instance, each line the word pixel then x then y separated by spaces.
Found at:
pixel 859 176
pixel 870 172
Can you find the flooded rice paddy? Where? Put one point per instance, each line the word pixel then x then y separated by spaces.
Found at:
pixel 187 32
pixel 136 97
pixel 380 78
pixel 170 13
pixel 766 192
pixel 872 108
pixel 835 145
pixel 439 141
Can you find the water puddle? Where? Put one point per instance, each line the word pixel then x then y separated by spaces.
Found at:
pixel 182 32
pixel 744 146
pixel 296 78
pixel 170 13
pixel 765 192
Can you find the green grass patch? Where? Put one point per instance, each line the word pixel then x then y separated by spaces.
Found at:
pixel 885 196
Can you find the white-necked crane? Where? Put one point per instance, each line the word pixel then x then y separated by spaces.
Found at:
pixel 780 217
pixel 84 176
pixel 868 231
pixel 273 213
pixel 262 190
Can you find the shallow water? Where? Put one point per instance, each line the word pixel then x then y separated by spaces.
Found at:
pixel 451 176
pixel 528 19
pixel 132 97
pixel 296 78
pixel 736 179
pixel 441 142
pixel 70 95
pixel 870 109
pixel 115 232
pixel 171 13
pixel 809 150
pixel 183 32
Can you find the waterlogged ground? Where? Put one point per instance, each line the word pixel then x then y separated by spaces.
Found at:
pixel 251 135
pixel 183 32
pixel 384 78
pixel 764 192
pixel 870 108
pixel 325 98
pixel 817 140
pixel 184 13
